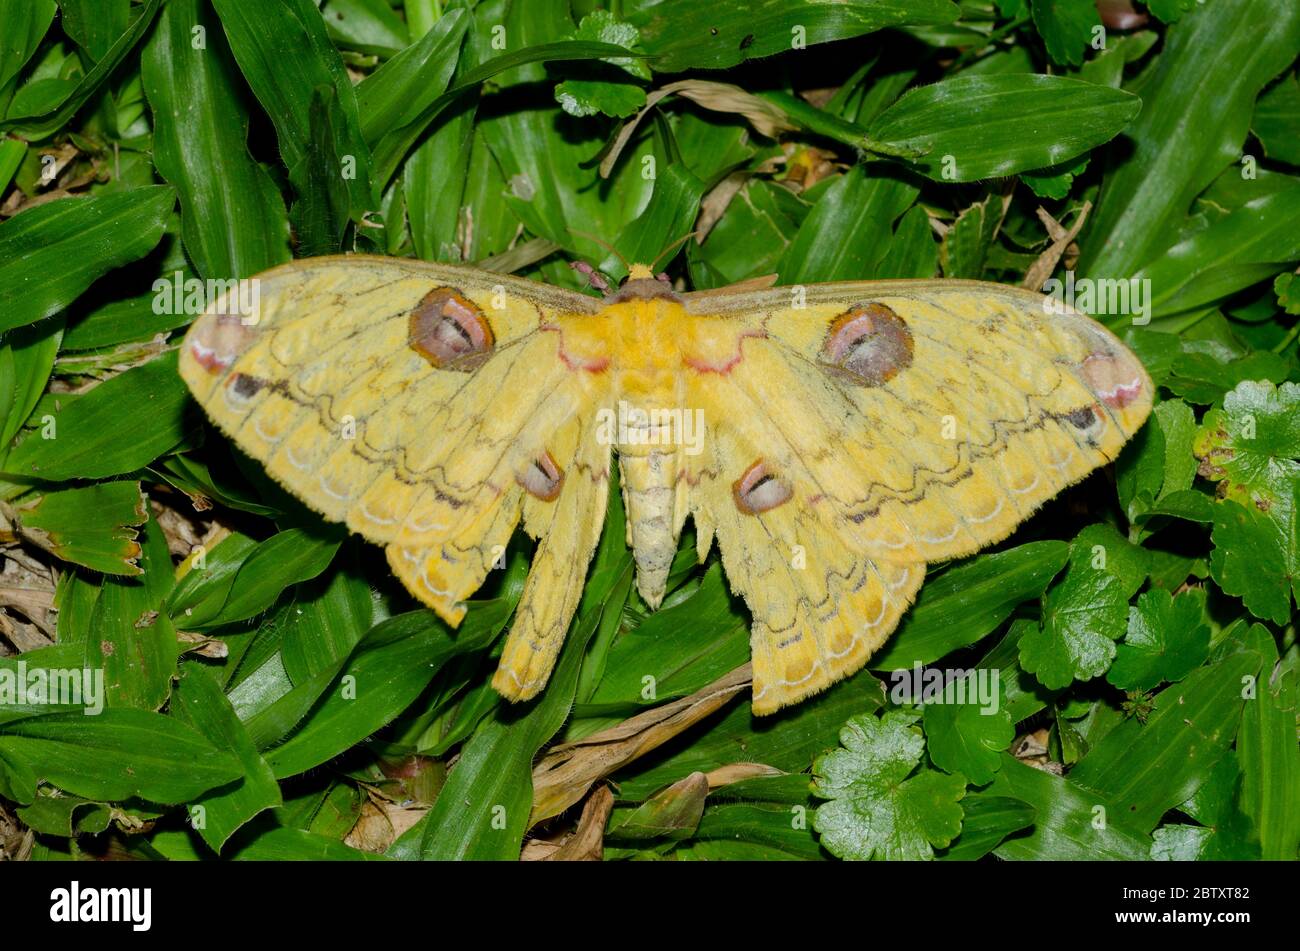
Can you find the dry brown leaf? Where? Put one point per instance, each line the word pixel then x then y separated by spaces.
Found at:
pixel 719 97
pixel 807 166
pixel 715 203
pixel 33 603
pixel 380 824
pixel 674 812
pixel 760 283
pixel 564 775
pixel 181 529
pixel 587 844
pixel 539 850
pixel 735 772
pixel 1042 268
pixel 23 636
pixel 193 642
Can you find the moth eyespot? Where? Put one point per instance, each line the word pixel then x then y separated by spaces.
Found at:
pixel 869 344
pixel 758 490
pixel 217 340
pixel 1086 419
pixel 1081 418
pixel 241 387
pixel 543 478
pixel 450 331
pixel 1116 378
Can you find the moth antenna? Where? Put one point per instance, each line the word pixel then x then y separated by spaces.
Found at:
pixel 673 247
pixel 604 244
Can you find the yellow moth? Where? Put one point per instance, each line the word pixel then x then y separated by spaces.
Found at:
pixel 832 439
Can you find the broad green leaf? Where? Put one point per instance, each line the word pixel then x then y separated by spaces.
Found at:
pixel 1025 696
pixel 841 237
pixel 1224 833
pixel 54 114
pixel 684 34
pixel 100 434
pixel 23 23
pixel 204 580
pixel 127 316
pixel 1170 11
pixel 53 679
pixel 26 359
pixel 17 780
pixel 320 215
pixel 1067 27
pixel 1270 759
pixel 51 253
pixel 970 600
pixel 966 246
pixel 987 820
pixel 1071 823
pixel 286 57
pixel 604 88
pixel 1197 104
pixel 1177 425
pixel 1145 769
pixel 1086 611
pixel 967 731
pixel 94 526
pixel 912 252
pixel 65 815
pixel 973 127
pixel 396 93
pixel 674 813
pixel 1256 555
pixel 232 215
pixel 129 638
pixel 1245 247
pixel 284 559
pixel 95 24
pixel 1287 289
pixel 1055 182
pixel 12 154
pixel 771 831
pixel 1181 842
pixel 298 845
pixel 120 754
pixel 1204 375
pixel 1252 444
pixel 391 665
pixel 370 26
pixel 390 151
pixel 751 238
pixel 876 807
pixel 330 615
pixel 199 703
pixel 681 648
pixel 667 218
pixel 1168 637
pixel 1250 447
pixel 197 479
pixel 1277 120
pixel 553 185
pixel 484 809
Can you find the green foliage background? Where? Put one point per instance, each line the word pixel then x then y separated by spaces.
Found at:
pixel 284 694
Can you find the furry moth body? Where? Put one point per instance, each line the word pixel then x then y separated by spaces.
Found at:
pixel 830 449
